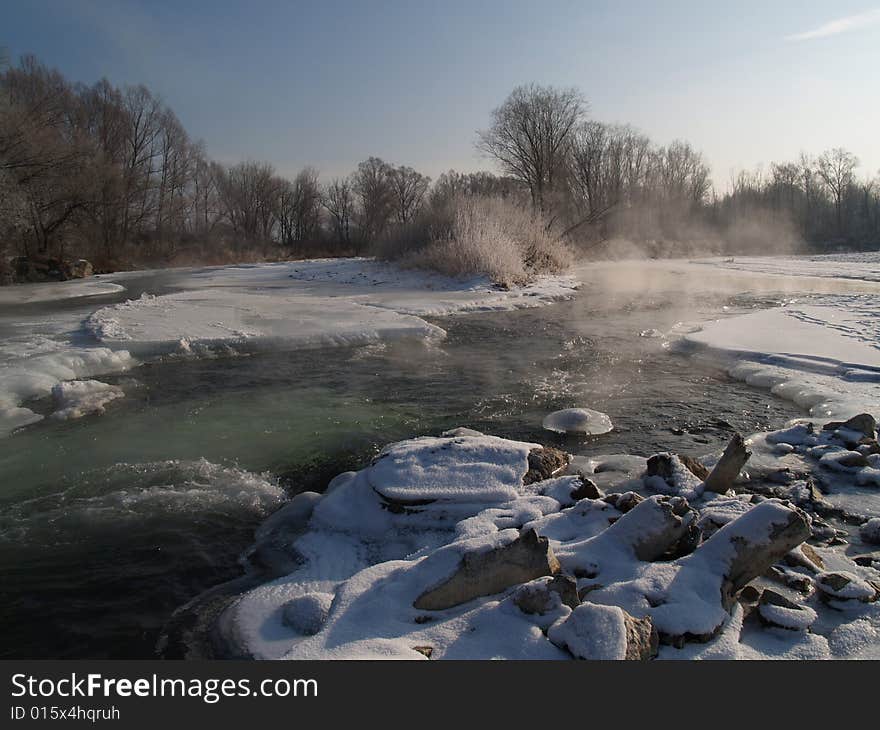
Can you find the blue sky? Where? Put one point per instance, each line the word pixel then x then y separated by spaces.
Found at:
pixel 331 82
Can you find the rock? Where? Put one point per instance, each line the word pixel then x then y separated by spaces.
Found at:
pixel 623 502
pixel 867 560
pixel 755 550
pixel 868 447
pixel 663 465
pixel 426 651
pixel 728 467
pixel 587 490
pixel 545 594
pixel 749 594
pixel 870 531
pixel 578 421
pixel 44 268
pixel 863 423
pixel 642 640
pixel 79 269
pixel 486 573
pixel 853 460
pixel 307 614
pixel 695 467
pixel 594 631
pixel 650 530
pixel 774 609
pixel 844 586
pixel 804 556
pixel 791 579
pixel 544 463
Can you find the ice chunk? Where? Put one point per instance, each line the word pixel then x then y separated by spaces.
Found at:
pixel 578 420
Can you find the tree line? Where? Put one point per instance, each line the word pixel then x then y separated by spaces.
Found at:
pixel 111 173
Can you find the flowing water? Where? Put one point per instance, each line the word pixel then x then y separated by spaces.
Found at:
pixel 110 523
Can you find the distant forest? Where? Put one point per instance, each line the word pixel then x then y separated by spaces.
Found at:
pixel 111 174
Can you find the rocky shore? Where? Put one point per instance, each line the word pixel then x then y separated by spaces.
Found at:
pixel 472 546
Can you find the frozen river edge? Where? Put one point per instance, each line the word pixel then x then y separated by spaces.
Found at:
pixel 826 365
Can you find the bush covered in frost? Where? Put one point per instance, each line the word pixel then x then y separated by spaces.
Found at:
pixel 497 237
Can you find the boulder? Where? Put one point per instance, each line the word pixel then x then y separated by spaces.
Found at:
pixel 748 546
pixel 623 502
pixel 588 489
pixel 489 572
pixel 545 594
pixel 594 631
pixel 544 463
pixel 863 423
pixel 728 467
pixel 695 467
pixel 79 269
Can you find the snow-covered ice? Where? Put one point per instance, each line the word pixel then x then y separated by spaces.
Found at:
pixel 823 356
pixel 78 398
pixel 306 303
pixel 578 420
pixel 56 291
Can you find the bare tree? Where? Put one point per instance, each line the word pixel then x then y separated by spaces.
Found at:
pixel 529 137
pixel 408 188
pixel 371 184
pixel 338 200
pixel 299 206
pixel 247 194
pixel 836 167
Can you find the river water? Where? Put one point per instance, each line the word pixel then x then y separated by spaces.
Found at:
pixel 110 523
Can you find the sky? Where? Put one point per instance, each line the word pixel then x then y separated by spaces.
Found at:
pixel 328 83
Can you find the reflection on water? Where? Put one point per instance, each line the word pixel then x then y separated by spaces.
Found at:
pixel 109 523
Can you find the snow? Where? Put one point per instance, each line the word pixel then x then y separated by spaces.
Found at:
pixel 305 304
pixel 794 619
pixel 463 469
pixel 78 398
pixel 332 302
pixel 363 561
pixel 578 420
pixel 29 377
pixel 592 632
pixel 870 531
pixel 863 266
pixel 824 357
pixel 33 293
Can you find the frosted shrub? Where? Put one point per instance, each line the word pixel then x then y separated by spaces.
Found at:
pixel 496 237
